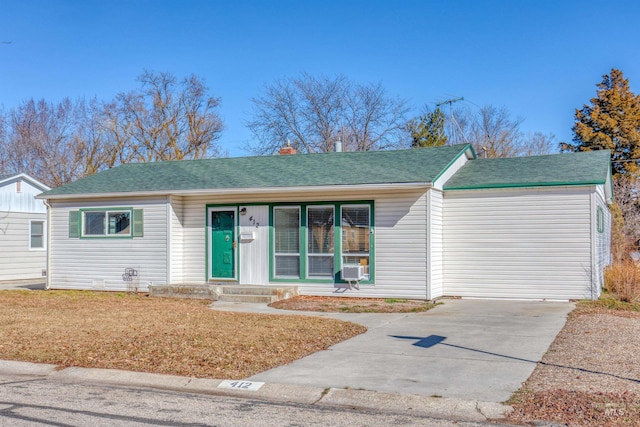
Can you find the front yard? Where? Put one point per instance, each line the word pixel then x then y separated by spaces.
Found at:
pixel 590 376
pixel 168 336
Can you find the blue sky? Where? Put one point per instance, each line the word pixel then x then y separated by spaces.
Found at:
pixel 539 59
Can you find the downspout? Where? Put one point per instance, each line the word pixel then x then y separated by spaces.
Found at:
pixel 47 256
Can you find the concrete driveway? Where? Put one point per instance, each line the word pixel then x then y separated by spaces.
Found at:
pixel 464 349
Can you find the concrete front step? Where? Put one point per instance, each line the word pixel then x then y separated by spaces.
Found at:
pixel 225 292
pixel 249 298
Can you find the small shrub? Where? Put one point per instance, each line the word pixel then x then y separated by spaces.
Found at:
pixel 622 280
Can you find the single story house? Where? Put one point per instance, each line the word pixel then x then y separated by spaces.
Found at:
pixel 23 226
pixel 419 223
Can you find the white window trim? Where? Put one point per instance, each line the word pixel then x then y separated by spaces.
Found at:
pixel 44 234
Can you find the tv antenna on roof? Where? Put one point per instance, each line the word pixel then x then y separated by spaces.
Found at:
pixel 452 117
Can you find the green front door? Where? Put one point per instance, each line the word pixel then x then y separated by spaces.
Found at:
pixel 223 244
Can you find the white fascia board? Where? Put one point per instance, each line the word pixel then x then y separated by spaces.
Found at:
pixel 242 191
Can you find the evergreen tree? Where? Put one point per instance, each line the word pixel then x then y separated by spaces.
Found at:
pixel 427 130
pixel 610 122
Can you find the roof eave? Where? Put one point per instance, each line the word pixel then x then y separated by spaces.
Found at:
pixel 241 191
pixel 524 185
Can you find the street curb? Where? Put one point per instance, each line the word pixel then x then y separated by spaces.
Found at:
pixel 446 408
pixel 14 367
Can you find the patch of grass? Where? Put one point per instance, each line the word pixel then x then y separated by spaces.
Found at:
pixel 610 303
pixel 394 300
pixel 168 336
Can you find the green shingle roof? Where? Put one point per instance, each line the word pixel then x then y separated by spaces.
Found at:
pixel 590 167
pixel 422 165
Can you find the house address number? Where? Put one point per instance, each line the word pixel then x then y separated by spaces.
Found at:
pixel 241 385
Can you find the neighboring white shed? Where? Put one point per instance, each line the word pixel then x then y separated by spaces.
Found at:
pixel 23 229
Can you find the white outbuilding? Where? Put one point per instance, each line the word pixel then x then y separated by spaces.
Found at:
pixel 23 229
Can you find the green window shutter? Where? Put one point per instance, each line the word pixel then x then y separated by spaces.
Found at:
pixel 74 224
pixel 138 223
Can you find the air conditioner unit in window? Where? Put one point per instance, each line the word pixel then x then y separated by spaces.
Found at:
pixel 352 272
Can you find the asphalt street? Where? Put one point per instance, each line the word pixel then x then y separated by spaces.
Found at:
pixel 33 401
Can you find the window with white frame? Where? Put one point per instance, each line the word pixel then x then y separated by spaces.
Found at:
pixel 106 223
pixel 36 231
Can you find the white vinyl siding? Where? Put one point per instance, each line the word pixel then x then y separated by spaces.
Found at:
pixel 400 246
pixel 602 233
pixel 17 260
pixel 518 243
pixel 434 236
pixel 400 239
pixel 79 263
pixel 24 201
pixel 175 257
pixel 194 243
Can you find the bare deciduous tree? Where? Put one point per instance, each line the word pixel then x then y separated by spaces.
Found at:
pixel 40 139
pixel 627 196
pixel 494 133
pixel 60 142
pixel 315 112
pixel 537 144
pixel 165 120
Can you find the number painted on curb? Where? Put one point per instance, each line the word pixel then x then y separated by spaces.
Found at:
pixel 241 385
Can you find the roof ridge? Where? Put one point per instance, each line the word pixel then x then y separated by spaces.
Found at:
pixel 255 172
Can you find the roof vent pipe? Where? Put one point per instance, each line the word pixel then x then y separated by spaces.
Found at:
pixel 338 146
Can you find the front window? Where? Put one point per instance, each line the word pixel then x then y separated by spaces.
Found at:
pixel 356 236
pixel 106 223
pixel 320 241
pixel 287 241
pixel 313 241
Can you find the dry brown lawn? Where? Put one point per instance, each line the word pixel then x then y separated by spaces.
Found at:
pixel 591 374
pixel 168 336
pixel 353 305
